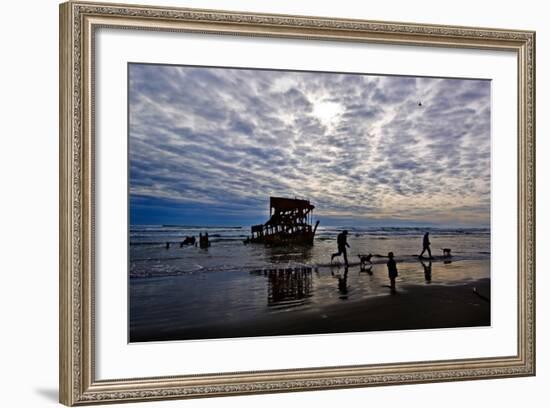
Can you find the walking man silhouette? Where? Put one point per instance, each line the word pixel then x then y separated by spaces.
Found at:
pixel 426 245
pixel 341 240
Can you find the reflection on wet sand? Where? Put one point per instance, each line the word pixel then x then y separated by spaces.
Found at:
pixel 427 270
pixel 342 283
pixel 298 299
pixel 288 287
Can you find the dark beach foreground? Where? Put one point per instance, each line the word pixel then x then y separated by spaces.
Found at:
pixel 412 307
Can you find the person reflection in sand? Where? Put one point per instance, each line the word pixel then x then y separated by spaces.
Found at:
pixel 392 272
pixel 342 283
pixel 427 270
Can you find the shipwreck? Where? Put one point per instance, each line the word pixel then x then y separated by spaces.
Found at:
pixel 290 222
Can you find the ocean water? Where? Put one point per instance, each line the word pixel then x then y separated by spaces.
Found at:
pixel 150 258
pixel 189 287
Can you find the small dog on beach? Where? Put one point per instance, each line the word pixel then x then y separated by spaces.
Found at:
pixel 446 252
pixel 364 261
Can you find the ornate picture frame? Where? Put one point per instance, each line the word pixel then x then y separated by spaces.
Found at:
pixel 78 24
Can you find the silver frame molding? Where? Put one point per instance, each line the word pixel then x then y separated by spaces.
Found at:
pixel 78 22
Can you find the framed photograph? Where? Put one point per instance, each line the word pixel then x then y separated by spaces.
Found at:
pixel 256 203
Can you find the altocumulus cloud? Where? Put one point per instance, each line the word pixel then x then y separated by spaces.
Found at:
pixel 212 144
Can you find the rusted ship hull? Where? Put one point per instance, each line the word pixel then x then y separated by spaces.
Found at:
pixel 289 224
pixel 283 238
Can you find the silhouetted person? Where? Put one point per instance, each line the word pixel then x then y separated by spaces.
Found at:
pixel 427 271
pixel 392 271
pixel 426 245
pixel 168 245
pixel 203 240
pixel 341 240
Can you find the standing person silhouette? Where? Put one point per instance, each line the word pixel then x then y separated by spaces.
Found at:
pixel 392 271
pixel 341 240
pixel 426 245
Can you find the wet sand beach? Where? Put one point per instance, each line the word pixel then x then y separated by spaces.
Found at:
pixel 413 306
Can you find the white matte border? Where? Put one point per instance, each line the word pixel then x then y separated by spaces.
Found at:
pixel 115 358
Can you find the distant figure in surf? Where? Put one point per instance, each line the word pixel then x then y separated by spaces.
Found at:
pixel 341 240
pixel 426 245
pixel 204 241
pixel 392 271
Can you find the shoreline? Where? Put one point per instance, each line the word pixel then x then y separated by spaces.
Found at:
pixel 413 307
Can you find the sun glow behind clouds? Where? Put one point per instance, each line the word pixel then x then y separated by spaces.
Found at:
pixel 327 112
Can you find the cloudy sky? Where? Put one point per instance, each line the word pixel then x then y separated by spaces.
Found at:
pixel 208 146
